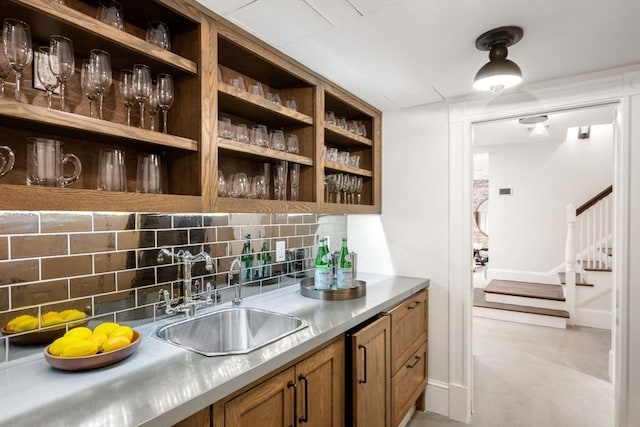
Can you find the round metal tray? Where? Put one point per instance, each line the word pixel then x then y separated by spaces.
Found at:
pixel 358 290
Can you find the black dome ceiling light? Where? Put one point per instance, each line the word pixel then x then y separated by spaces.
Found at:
pixel 499 73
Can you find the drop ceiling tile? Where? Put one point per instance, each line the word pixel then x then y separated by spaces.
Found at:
pixel 337 12
pixel 224 7
pixel 369 6
pixel 410 97
pixel 279 21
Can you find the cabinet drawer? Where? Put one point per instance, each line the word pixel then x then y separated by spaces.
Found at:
pixel 408 383
pixel 408 328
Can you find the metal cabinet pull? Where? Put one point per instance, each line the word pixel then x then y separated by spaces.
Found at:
pixel 295 400
pixel 305 418
pixel 417 359
pixel 363 381
pixel 414 305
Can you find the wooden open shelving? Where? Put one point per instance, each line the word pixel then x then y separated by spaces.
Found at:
pixel 191 152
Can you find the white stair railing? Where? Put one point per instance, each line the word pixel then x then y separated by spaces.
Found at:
pixel 570 265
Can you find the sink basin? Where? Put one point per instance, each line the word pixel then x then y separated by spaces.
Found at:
pixel 229 331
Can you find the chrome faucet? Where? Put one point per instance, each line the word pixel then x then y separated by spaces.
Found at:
pixel 189 304
pixel 237 297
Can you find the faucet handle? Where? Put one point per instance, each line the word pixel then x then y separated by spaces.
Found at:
pixel 167 301
pixel 209 300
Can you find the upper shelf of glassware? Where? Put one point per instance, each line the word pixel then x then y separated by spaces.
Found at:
pixel 47 17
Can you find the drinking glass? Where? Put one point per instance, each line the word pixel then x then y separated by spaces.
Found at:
pixel 112 175
pixel 266 172
pixel 225 128
pixel 165 97
pixel 100 75
pixel 158 34
pixel 126 90
pixel 239 185
pixel 141 87
pixel 259 187
pixel 292 144
pixel 5 68
pixel 257 89
pixel 290 102
pixel 110 12
pixel 352 126
pixel 222 185
pixel 86 84
pixel 16 41
pixel 45 160
pixel 238 83
pixel 62 62
pixel 294 177
pixel 359 183
pixel 152 103
pixel 330 117
pixel 280 180
pixel 277 140
pixel 241 133
pixel 275 97
pixel 260 136
pixel 341 122
pixel 362 130
pixel 62 2
pixel 7 160
pixel 45 76
pixel 149 177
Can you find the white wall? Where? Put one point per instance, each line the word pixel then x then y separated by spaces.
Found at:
pixel 410 238
pixel 528 228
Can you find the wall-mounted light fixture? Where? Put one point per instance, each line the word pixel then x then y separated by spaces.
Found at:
pixel 538 128
pixel 584 132
pixel 499 73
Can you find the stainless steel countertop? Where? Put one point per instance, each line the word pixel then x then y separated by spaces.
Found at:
pixel 161 384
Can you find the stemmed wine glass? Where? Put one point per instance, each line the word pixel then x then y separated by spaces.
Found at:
pixel 88 89
pixel 126 90
pixel 141 87
pixel 165 97
pixel 4 68
pixel 46 77
pixel 100 74
pixel 62 62
pixel 16 40
pixel 152 104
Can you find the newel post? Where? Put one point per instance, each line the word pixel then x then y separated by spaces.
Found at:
pixel 570 262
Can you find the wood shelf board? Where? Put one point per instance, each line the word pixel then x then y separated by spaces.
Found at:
pixel 341 208
pixel 338 136
pixel 243 104
pixel 262 152
pixel 46 18
pixel 226 204
pixel 23 197
pixel 90 126
pixel 348 169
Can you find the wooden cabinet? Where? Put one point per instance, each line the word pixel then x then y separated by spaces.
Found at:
pixel 311 392
pixel 207 53
pixel 409 356
pixel 201 418
pixel 370 388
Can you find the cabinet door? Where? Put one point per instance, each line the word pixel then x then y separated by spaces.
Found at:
pixel 269 404
pixel 408 383
pixel 201 418
pixel 321 388
pixel 408 328
pixel 371 375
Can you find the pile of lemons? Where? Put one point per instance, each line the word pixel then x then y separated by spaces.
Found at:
pixel 27 322
pixel 83 341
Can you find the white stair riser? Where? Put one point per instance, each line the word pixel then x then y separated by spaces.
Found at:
pixel 518 317
pixel 593 318
pixel 526 301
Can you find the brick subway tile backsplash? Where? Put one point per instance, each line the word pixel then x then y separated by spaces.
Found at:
pixel 106 263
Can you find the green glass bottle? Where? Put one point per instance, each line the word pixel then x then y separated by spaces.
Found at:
pixel 264 262
pixel 344 270
pixel 246 260
pixel 323 271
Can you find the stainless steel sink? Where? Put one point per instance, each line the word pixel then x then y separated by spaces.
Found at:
pixel 230 331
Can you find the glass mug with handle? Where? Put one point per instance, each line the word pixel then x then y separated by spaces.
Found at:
pixel 7 160
pixel 45 163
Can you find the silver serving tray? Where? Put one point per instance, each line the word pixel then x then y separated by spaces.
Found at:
pixel 359 289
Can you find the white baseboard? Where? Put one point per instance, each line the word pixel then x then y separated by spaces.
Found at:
pixel 459 403
pixel 438 397
pixel 524 276
pixel 514 316
pixel 593 318
pixel 525 301
pixel 407 418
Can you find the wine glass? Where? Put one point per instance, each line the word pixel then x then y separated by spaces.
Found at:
pixel 46 77
pixel 4 67
pixel 141 87
pixel 222 185
pixel 100 74
pixel 158 34
pixel 152 104
pixel 16 41
pixel 110 12
pixel 126 90
pixel 88 89
pixel 165 97
pixel 62 62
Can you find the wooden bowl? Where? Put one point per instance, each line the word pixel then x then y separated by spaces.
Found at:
pixel 94 361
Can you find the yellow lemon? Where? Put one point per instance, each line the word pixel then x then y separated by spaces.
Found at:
pixel 11 326
pixel 73 314
pixel 80 331
pixel 49 314
pixel 99 339
pixel 105 328
pixel 26 324
pixel 58 345
pixel 122 330
pixel 79 348
pixel 115 343
pixel 52 320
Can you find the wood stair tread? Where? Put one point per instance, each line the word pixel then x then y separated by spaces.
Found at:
pixel 525 289
pixel 594 266
pixel 563 281
pixel 479 300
